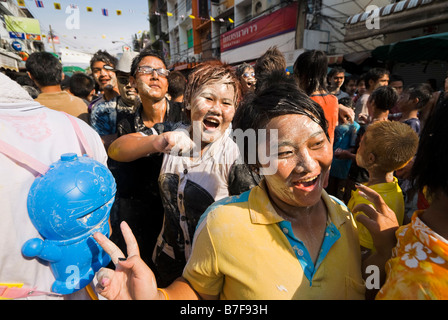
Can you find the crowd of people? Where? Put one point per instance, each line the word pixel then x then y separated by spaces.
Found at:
pixel 358 181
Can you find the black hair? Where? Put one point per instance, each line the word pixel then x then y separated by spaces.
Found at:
pixel 346 101
pixel 429 169
pixel 176 84
pixel 281 97
pixel 271 61
pixel 384 97
pixel 352 77
pixel 310 69
pixel 145 53
pixel 65 84
pixel 45 68
pixel 421 91
pixel 105 57
pixel 374 74
pixel 335 70
pixel 395 77
pixel 81 84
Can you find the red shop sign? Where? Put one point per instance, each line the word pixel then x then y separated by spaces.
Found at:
pixel 281 21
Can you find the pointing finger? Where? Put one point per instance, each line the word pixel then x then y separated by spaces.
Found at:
pixel 129 238
pixel 112 250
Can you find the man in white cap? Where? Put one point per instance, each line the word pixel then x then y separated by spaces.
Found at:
pixel 106 114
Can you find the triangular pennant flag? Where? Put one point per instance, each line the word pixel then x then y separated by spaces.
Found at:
pixel 212 19
pixel 105 12
pixel 39 4
pixel 231 21
pixel 21 3
pixel 89 9
pixel 57 6
pixel 221 20
pixel 192 16
pixel 169 14
pixel 118 12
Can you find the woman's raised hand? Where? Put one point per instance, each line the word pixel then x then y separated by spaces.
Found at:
pixel 132 278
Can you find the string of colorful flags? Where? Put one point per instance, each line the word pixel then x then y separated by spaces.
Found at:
pixel 105 12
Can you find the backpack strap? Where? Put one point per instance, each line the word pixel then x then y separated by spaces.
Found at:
pixel 16 154
pixel 81 137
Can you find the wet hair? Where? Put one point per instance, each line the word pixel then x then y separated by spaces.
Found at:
pixel 429 168
pixel 392 142
pixel 105 57
pixel 281 97
pixel 208 73
pixel 81 84
pixel 421 91
pixel 384 97
pixel 45 68
pixel 176 84
pixel 310 70
pixel 374 74
pixel 271 61
pixel 145 53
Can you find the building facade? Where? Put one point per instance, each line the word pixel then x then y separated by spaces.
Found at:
pixel 20 35
pixel 236 31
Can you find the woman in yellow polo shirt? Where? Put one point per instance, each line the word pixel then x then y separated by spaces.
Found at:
pixel 284 239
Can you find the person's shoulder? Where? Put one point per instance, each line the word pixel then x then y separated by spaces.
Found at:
pixel 226 209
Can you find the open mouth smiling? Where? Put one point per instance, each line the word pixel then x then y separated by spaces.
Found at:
pixel 211 123
pixel 306 184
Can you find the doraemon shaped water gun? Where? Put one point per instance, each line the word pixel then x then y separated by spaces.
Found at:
pixel 67 203
pixel 67 206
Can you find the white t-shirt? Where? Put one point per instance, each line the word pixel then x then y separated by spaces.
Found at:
pixel 44 134
pixel 204 179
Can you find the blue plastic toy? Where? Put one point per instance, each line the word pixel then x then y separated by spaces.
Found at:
pixel 67 205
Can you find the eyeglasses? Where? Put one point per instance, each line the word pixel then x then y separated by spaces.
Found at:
pixel 105 67
pixel 248 74
pixel 149 70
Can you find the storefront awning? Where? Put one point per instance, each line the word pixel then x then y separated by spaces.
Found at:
pixel 9 61
pixel 427 48
pixel 399 16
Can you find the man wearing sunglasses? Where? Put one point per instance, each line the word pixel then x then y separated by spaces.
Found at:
pixel 138 199
pixel 107 113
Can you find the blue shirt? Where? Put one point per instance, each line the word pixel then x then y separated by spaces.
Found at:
pixel 332 234
pixel 104 117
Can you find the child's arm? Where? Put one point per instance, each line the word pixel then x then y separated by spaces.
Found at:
pixel 382 223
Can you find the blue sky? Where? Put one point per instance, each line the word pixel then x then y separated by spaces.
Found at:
pixel 94 30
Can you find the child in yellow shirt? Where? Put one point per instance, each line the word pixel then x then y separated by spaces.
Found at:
pixel 385 147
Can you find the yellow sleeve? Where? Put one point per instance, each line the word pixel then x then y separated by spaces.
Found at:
pixel 201 270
